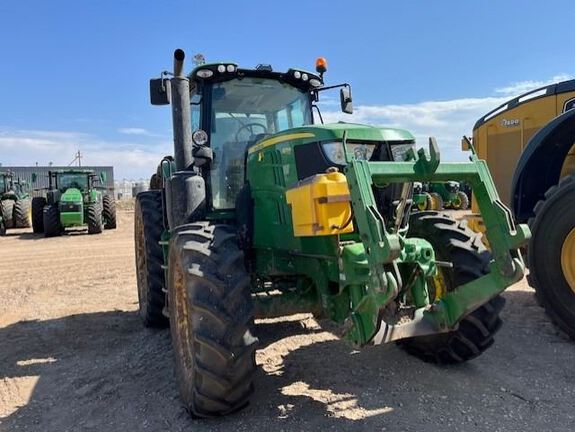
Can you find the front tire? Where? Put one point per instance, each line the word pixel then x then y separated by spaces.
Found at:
pixel 463 200
pixel 38 204
pixel 551 254
pixel 109 212
pixel 22 213
pixel 94 218
pixel 211 319
pixel 51 221
pixel 453 241
pixel 7 209
pixel 148 228
pixel 436 201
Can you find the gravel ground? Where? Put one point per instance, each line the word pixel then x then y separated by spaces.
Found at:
pixel 74 357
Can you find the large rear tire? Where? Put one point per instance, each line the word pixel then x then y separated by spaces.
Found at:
pixel 109 212
pixel 94 218
pixel 453 241
pixel 148 228
pixel 51 221
pixel 38 204
pixel 211 319
pixel 7 209
pixel 551 254
pixel 22 213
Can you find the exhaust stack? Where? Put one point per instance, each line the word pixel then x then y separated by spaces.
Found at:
pixel 181 114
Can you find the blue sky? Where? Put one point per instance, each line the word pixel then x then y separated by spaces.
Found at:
pixel 75 73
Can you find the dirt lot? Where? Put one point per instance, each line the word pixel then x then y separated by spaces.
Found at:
pixel 74 357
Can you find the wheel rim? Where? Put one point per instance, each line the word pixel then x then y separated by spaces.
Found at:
pixel 422 205
pixel 568 259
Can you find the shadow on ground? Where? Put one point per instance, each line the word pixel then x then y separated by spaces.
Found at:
pixel 103 371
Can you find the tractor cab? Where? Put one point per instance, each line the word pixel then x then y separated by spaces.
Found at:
pixel 4 183
pixel 232 109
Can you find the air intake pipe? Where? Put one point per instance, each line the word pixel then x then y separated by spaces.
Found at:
pixel 181 114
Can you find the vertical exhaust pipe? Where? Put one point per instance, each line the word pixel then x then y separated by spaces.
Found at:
pixel 181 114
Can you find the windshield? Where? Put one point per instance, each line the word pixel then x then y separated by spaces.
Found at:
pixel 67 181
pixel 244 111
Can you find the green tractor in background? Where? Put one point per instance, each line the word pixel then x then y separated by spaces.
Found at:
pixel 264 211
pixel 73 200
pixel 14 203
pixel 421 198
pixel 448 195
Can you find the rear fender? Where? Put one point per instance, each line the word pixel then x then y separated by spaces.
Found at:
pixel 541 164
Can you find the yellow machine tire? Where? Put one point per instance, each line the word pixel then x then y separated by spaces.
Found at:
pixel 551 254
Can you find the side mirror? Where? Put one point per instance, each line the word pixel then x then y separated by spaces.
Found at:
pixel 34 177
pixel 103 177
pixel 345 100
pixel 160 91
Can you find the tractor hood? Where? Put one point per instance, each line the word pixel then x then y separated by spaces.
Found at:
pixel 72 195
pixel 335 132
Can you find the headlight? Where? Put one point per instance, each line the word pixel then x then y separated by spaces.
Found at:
pixel 335 154
pixel 399 151
pixel 200 137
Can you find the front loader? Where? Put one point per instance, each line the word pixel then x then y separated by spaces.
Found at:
pixel 264 211
pixel 73 199
pixel 14 202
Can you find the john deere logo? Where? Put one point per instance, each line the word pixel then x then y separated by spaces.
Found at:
pixel 509 123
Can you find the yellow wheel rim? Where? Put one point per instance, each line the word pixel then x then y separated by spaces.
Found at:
pixel 568 259
pixel 439 286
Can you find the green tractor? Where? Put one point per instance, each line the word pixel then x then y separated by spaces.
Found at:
pixel 448 195
pixel 73 200
pixel 421 198
pixel 264 211
pixel 14 203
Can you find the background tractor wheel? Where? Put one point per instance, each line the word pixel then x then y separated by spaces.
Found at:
pixel 22 213
pixel 428 201
pixel 463 200
pixel 38 204
pixel 7 209
pixel 454 242
pixel 211 319
pixel 51 221
pixel 109 212
pixel 551 254
pixel 436 201
pixel 94 218
pixel 148 227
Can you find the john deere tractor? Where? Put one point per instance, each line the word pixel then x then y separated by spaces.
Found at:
pixel 14 202
pixel 264 211
pixel 529 144
pixel 73 200
pixel 448 195
pixel 421 198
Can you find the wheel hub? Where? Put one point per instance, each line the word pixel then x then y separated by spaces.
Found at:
pixel 568 259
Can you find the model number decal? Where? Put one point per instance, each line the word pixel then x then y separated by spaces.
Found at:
pixel 509 123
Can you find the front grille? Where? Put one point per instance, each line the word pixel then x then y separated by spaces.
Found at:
pixel 70 207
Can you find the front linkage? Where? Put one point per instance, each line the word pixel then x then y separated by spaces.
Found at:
pixel 368 271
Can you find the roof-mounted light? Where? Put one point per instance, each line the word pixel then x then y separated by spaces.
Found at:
pixel 205 73
pixel 321 65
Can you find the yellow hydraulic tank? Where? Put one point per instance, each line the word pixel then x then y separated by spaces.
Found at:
pixel 320 205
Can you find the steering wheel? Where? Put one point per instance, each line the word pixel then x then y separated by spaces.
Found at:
pixel 250 126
